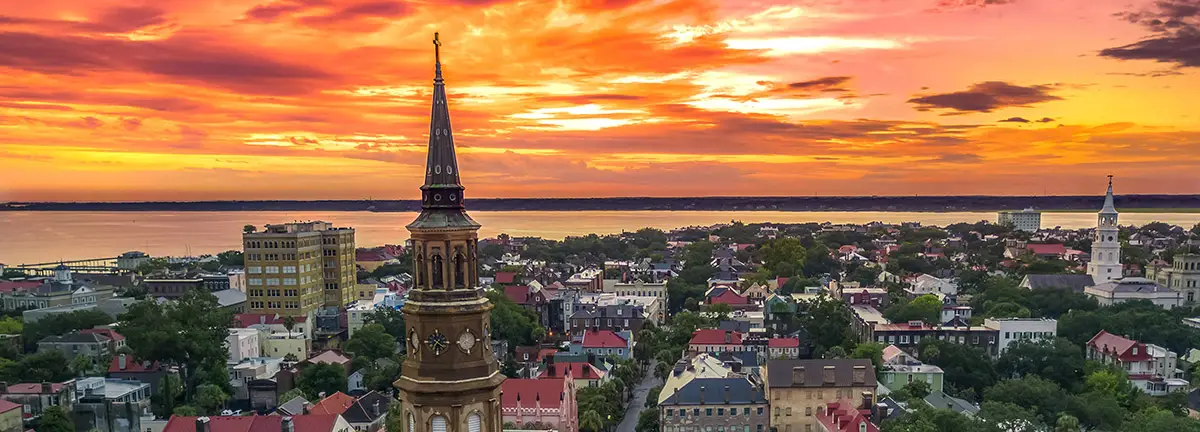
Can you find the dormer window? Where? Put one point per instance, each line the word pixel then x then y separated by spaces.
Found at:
pixel 862 427
pixel 1134 350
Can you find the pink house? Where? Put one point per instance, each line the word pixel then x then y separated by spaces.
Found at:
pixel 547 403
pixel 844 416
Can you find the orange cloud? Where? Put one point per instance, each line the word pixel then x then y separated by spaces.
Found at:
pixel 327 99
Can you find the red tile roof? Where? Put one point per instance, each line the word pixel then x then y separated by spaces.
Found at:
pixel 1046 249
pixel 1118 346
pixel 715 337
pixel 780 282
pixel 131 365
pixel 271 423
pixel 845 249
pixel 574 370
pixel 603 339
pixel 548 392
pixel 9 286
pixel 505 277
pixel 371 255
pixel 116 337
pixel 518 294
pixel 844 417
pixel 729 297
pixel 32 388
pixel 7 405
pixel 783 343
pixel 336 403
pixel 246 320
pixel 329 356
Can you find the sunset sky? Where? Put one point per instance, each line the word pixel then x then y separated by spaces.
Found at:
pixel 107 100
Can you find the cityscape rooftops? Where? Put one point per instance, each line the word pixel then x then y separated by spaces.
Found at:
pixel 715 337
pixel 715 391
pixel 545 392
pixel 603 339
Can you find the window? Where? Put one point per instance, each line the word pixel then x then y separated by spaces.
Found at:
pixel 272 269
pixel 746 411
pixel 708 412
pixel 720 411
pixel 254 269
pixel 760 411
pixel 438 424
pixel 474 422
pixel 289 269
pixel 254 281
pixel 682 412
pixel 272 282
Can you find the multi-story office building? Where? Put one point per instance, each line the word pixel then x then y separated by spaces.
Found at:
pixel 293 269
pixel 1028 220
pixel 1182 275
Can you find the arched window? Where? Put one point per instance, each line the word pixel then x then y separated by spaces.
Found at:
pixel 437 424
pixel 411 422
pixel 436 274
pixel 420 269
pixel 460 266
pixel 474 422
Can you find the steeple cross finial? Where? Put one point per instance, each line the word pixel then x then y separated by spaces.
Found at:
pixel 437 51
pixel 1110 180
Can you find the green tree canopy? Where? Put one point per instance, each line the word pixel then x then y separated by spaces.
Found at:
pixel 371 342
pixel 189 331
pixel 318 378
pixel 1057 360
pixel 55 419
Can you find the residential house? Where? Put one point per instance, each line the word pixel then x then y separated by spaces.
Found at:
pixel 367 413
pixel 727 295
pixel 874 297
pixel 255 423
pixel 755 319
pixel 1134 288
pixel 533 298
pixel 908 335
pixel 756 293
pixel 955 315
pixel 242 344
pixel 1137 360
pixel 540 404
pixel 847 416
pixel 605 343
pixel 703 404
pixel 783 348
pixel 1073 282
pixel 93 345
pixel 61 290
pixel 124 366
pixel 798 390
pixel 585 374
pixel 900 369
pixel 715 341
pixel 36 397
pixel 742 362
pixel 273 323
pixel 589 280
pixel 865 320
pixel 614 317
pixel 110 405
pixel 928 284
pixel 11 418
pixel 1011 330
pixel 701 365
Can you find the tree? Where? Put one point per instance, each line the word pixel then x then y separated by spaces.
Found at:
pixel 190 332
pixel 231 258
pixel 510 321
pixel 927 308
pixel 162 402
pixel 964 366
pixel 81 364
pixel 652 397
pixel 836 352
pixel 1155 420
pixel 186 411
pixel 1043 397
pixel 785 250
pixel 319 378
pixel 59 324
pixel 827 321
pixel 391 319
pixel 648 421
pixel 211 398
pixel 872 351
pixel 289 323
pixel 290 394
pixel 917 389
pixel 248 229
pixel 1057 360
pixel 1066 423
pixel 371 342
pixel 590 421
pixel 12 326
pixel 55 419
pixel 721 310
pixel 1011 418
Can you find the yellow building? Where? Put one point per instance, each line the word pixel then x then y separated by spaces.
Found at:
pixel 295 268
pixel 798 389
pixel 282 344
pixel 11 419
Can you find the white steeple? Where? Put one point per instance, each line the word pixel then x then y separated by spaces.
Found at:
pixel 1106 247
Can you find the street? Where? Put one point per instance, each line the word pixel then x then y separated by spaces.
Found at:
pixel 638 402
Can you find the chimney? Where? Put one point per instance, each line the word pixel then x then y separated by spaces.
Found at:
pixel 830 374
pixel 550 369
pixel 587 371
pixel 860 374
pixel 47 388
pixel 321 395
pixel 121 362
pixel 307 407
pixel 883 412
pixel 868 400
pixel 726 394
pixel 701 395
pixel 376 408
pixel 286 425
pixel 592 359
pixel 202 424
pixel 798 375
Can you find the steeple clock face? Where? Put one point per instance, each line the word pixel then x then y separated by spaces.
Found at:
pixel 414 340
pixel 437 342
pixel 466 341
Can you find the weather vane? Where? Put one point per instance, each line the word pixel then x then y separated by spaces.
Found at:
pixel 437 52
pixel 1110 179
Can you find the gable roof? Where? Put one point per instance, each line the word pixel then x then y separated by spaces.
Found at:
pixel 709 391
pixel 77 337
pixel 110 333
pixel 734 325
pixel 519 294
pixel 368 408
pixel 1046 248
pixel 1110 343
pixel 1074 282
pixel 715 337
pixel 844 416
pixel 292 407
pixel 131 365
pixel 603 339
pixel 505 277
pixel 7 405
pixel 32 388
pixel 783 343
pixel 336 403
pixel 1133 284
pixel 329 356
pixel 729 297
pixel 575 370
pixel 780 373
pixel 548 392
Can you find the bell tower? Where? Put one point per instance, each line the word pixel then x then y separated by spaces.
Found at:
pixel 1106 247
pixel 450 380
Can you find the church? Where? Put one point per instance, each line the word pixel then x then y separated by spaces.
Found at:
pixel 450 381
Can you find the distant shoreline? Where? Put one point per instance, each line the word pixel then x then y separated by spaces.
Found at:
pixel 1126 203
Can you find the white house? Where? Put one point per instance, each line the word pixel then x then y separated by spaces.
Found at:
pixel 243 344
pixel 928 284
pixel 1134 288
pixel 1014 329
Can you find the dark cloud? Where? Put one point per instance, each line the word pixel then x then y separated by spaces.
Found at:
pixel 186 58
pixel 36 106
pixel 825 84
pixel 960 4
pixel 89 123
pixel 1014 120
pixel 327 13
pixel 118 19
pixel 1175 34
pixel 959 158
pixel 1045 120
pixel 985 97
pixel 277 9
pixel 131 124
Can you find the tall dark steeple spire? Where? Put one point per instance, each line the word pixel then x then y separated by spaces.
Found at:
pixel 442 188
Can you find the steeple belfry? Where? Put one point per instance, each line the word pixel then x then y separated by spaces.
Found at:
pixel 1106 246
pixel 450 381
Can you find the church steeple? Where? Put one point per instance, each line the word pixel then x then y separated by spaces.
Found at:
pixel 1108 200
pixel 442 188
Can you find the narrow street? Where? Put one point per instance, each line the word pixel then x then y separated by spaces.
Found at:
pixel 638 402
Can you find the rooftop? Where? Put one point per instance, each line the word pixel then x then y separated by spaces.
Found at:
pixel 812 373
pixel 546 392
pixel 712 391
